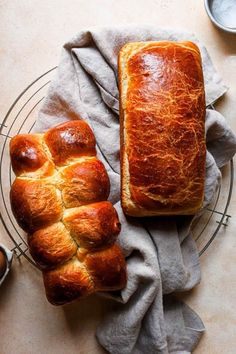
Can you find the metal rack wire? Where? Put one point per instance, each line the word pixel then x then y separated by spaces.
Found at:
pixel 20 118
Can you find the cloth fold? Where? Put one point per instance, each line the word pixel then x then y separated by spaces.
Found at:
pixel 161 254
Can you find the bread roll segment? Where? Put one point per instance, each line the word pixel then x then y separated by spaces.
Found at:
pixel 60 199
pixel 162 116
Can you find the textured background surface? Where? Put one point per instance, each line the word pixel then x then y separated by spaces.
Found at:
pixel 32 33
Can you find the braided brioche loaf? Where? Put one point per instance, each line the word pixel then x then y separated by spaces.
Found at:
pixel 60 199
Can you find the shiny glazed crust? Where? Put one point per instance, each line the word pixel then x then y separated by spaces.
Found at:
pixel 60 199
pixel 162 115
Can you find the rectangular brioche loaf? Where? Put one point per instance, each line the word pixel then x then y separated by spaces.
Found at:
pixel 162 115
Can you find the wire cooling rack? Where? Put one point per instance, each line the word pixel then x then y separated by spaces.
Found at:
pixel 21 117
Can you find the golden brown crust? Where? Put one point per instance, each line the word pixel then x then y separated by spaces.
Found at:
pixel 67 283
pixel 70 140
pixel 51 245
pixel 35 204
pixel 107 268
pixel 28 155
pixel 162 112
pixel 84 183
pixel 93 226
pixel 101 270
pixel 59 198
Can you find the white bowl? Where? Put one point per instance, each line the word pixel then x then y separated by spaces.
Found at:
pixel 9 255
pixel 208 7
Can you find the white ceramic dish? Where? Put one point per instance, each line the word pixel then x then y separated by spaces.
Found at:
pixel 9 255
pixel 222 13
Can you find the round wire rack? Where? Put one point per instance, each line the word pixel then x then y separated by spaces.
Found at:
pixel 21 117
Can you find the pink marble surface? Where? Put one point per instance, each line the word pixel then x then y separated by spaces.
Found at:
pixel 32 33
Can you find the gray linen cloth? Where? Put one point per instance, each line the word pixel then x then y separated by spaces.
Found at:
pixel 161 255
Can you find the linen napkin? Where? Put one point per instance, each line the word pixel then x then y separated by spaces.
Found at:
pixel 161 255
